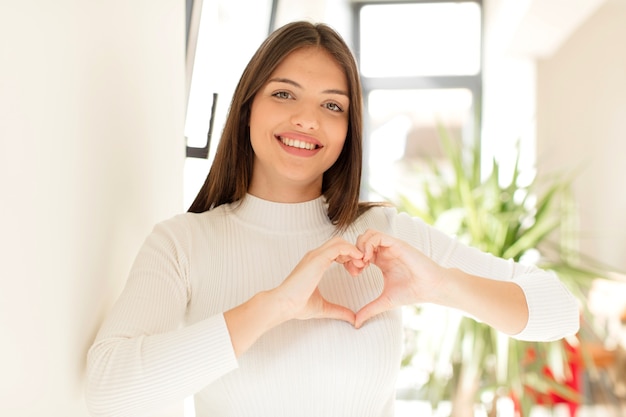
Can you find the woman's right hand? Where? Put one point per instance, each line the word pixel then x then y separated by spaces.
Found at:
pixel 299 292
pixel 297 297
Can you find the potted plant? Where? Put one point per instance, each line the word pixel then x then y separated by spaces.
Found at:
pixel 467 361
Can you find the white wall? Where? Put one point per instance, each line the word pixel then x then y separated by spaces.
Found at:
pixel 91 156
pixel 581 124
pixel 555 77
pixel 509 99
pixel 336 13
pixel 516 35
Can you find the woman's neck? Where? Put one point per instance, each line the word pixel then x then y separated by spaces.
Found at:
pixel 285 192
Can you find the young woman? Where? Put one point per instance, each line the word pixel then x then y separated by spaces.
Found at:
pixel 278 294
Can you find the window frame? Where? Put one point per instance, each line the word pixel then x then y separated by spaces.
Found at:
pixel 474 83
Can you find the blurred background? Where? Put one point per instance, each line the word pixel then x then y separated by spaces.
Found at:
pixel 105 109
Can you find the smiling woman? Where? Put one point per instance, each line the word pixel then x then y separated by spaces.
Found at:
pixel 279 293
pixel 298 126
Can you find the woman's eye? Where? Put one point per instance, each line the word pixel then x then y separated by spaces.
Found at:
pixel 282 94
pixel 334 107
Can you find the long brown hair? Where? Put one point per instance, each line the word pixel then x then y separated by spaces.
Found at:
pixel 231 172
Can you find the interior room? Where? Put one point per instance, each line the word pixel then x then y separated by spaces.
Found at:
pixel 105 109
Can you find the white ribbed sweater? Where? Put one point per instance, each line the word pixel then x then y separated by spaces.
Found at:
pixel 166 339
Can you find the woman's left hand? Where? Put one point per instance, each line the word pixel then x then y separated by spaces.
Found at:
pixel 409 275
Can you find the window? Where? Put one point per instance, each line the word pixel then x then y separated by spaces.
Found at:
pixel 418 39
pixel 216 56
pixel 403 131
pixel 420 64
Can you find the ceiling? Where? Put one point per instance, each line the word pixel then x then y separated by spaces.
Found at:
pixel 546 24
pixel 534 28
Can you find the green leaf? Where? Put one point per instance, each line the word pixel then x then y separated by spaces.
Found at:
pixel 509 220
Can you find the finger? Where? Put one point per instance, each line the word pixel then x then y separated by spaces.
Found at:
pixel 344 259
pixel 354 268
pixel 335 250
pixel 363 238
pixel 337 312
pixel 374 308
pixel 349 252
pixel 340 250
pixel 368 242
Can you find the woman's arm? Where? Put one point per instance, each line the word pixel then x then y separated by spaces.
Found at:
pixel 412 277
pixel 296 298
pixel 423 265
pixel 142 359
pixel 500 304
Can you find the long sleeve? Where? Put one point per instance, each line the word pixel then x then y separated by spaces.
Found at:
pixel 143 359
pixel 166 338
pixel 553 310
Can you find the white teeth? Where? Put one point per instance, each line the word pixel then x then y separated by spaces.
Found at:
pixel 297 144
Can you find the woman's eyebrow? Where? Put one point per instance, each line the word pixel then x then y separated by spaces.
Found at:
pixel 295 84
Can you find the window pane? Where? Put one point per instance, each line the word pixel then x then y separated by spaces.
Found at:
pixel 404 131
pixel 420 39
pixel 220 57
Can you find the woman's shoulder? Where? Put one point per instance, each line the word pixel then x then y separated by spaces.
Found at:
pixel 375 216
pixel 384 212
pixel 388 219
pixel 189 223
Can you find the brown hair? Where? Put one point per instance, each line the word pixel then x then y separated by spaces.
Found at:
pixel 231 172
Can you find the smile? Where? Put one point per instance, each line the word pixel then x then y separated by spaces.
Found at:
pixel 295 143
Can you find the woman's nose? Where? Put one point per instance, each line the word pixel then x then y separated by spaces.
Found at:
pixel 305 117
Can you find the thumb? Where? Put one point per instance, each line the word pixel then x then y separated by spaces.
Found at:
pixel 354 268
pixel 337 312
pixel 374 308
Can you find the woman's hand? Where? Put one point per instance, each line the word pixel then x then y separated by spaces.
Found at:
pixel 409 275
pixel 297 297
pixel 299 292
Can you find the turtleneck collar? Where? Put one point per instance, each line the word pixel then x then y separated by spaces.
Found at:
pixel 283 217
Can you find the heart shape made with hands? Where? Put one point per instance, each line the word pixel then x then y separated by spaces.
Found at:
pixel 400 263
pixel 383 301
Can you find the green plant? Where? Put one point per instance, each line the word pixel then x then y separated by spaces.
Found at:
pixel 469 359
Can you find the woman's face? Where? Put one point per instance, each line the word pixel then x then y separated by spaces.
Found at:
pixel 298 125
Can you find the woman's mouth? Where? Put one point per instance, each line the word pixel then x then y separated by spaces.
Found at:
pixel 295 143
